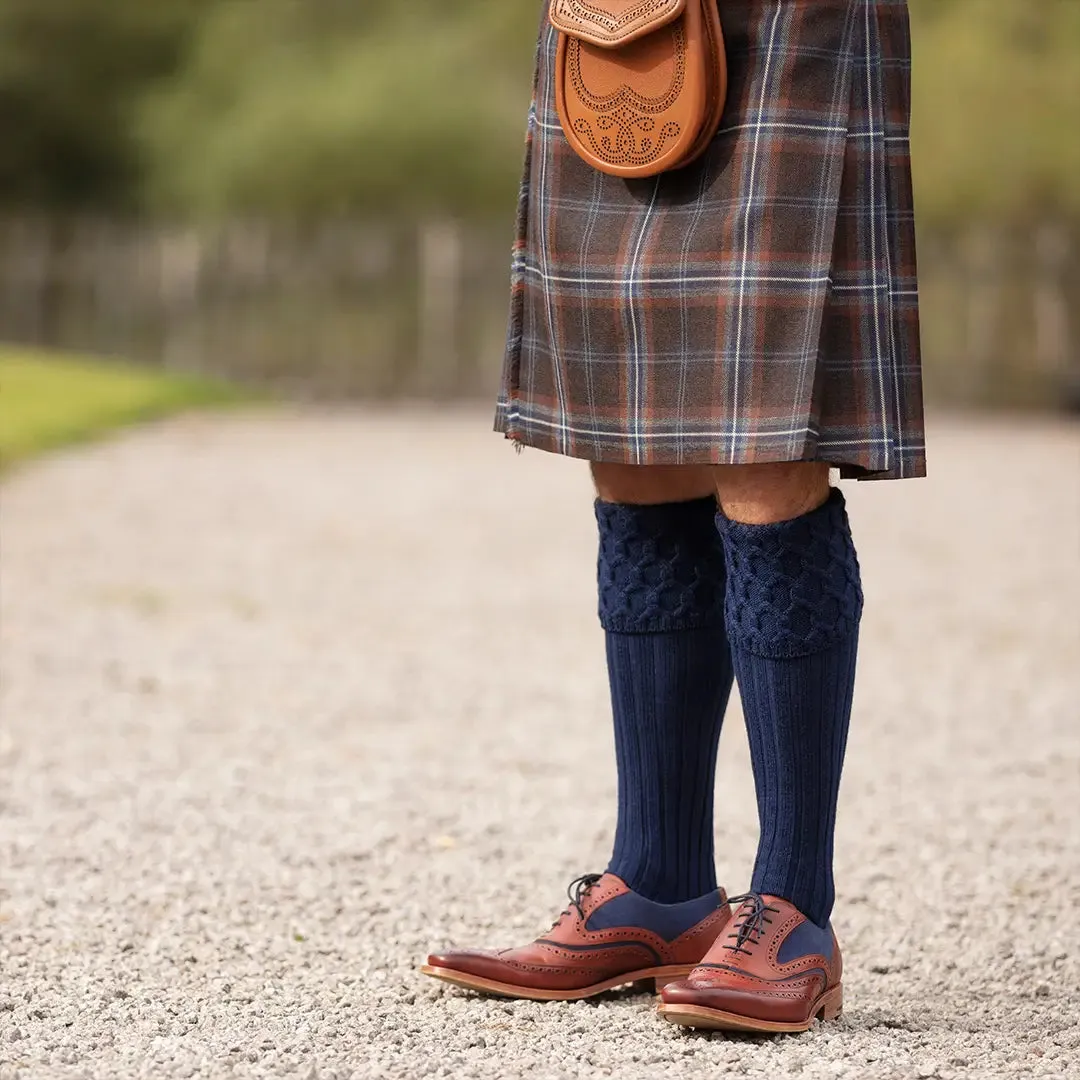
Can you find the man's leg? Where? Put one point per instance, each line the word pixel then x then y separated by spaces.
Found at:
pixel 794 602
pixel 792 612
pixel 661 588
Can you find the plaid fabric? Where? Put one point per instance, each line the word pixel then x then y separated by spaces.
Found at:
pixel 760 305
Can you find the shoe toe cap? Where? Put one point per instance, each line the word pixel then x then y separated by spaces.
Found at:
pixel 768 1007
pixel 461 959
pixel 686 992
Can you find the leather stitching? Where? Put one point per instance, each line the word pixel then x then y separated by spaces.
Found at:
pixel 761 987
pixel 646 938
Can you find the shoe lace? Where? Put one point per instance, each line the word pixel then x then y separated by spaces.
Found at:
pixel 576 893
pixel 750 922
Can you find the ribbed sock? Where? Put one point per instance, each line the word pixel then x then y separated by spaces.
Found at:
pixel 661 584
pixel 794 602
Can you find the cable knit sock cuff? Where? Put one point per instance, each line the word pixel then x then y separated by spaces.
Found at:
pixel 660 568
pixel 793 588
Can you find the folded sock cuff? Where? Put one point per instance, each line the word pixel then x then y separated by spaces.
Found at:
pixel 660 568
pixel 793 587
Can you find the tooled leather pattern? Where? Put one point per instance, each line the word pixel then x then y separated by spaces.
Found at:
pixel 626 130
pixel 605 24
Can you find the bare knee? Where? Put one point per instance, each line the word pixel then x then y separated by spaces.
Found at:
pixel 764 494
pixel 648 485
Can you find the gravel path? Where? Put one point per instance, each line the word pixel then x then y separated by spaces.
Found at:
pixel 289 699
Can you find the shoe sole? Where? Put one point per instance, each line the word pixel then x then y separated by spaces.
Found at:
pixel 828 1007
pixel 659 977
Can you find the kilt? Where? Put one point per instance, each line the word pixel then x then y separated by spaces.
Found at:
pixel 760 305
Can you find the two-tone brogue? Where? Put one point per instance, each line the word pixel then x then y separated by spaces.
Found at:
pixel 770 970
pixel 609 936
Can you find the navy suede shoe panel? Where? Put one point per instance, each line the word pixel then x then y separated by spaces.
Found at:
pixel 670 921
pixel 807 939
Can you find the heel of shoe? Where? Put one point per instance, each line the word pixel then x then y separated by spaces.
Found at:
pixel 657 978
pixel 654 986
pixel 832 1004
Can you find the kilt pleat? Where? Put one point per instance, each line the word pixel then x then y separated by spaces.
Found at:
pixel 758 306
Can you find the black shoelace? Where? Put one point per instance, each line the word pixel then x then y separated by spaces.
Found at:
pixel 750 924
pixel 578 890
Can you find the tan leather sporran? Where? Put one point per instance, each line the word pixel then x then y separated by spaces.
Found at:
pixel 640 84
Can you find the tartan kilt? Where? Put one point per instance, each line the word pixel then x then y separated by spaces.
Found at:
pixel 760 305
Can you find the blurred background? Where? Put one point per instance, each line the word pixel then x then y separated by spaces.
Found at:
pixel 316 198
pixel 290 696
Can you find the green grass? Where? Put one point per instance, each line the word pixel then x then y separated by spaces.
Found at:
pixel 49 400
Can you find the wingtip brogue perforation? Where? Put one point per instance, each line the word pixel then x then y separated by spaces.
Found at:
pixel 771 970
pixel 607 937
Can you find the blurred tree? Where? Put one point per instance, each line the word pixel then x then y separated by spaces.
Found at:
pixel 419 105
pixel 328 108
pixel 69 72
pixel 304 108
pixel 997 109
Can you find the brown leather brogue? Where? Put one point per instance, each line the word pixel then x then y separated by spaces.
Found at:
pixel 770 970
pixel 607 937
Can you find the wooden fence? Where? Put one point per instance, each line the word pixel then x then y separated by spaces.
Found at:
pixel 362 309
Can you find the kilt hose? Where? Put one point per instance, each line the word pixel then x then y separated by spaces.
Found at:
pixel 760 305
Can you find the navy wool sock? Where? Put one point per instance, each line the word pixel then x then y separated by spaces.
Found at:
pixel 661 584
pixel 794 601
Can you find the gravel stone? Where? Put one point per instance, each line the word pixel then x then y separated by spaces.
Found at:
pixel 291 698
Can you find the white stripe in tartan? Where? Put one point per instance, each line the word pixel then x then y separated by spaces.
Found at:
pixel 825 211
pixel 707 433
pixel 780 125
pixel 877 212
pixel 684 321
pixel 635 358
pixel 748 194
pixel 678 279
pixel 544 209
pixel 599 179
